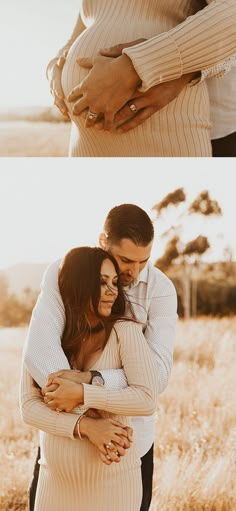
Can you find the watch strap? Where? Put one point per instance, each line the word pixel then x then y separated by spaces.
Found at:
pixel 96 373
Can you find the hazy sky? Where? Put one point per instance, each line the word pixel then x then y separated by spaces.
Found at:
pixel 47 206
pixel 31 32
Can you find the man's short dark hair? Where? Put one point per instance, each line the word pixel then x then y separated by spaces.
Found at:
pixel 131 222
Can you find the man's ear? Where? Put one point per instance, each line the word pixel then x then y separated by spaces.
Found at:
pixel 103 241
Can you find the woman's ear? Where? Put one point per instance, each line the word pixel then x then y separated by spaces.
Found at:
pixel 103 241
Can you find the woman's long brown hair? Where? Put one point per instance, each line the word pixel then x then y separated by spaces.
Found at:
pixel 79 285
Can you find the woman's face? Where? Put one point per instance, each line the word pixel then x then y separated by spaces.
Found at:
pixel 109 289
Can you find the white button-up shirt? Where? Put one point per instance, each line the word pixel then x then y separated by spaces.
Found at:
pixel 154 301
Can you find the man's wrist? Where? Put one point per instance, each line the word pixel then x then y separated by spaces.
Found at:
pixel 189 77
pixel 96 378
pixel 134 77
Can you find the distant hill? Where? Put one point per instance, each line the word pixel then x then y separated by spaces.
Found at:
pixel 24 275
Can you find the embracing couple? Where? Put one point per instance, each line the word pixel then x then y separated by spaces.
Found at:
pixel 98 352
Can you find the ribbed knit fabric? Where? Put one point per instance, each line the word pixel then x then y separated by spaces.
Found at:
pixel 182 128
pixel 72 476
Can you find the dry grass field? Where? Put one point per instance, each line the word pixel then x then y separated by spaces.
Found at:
pixel 34 139
pixel 195 446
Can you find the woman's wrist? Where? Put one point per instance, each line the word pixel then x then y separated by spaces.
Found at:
pixel 81 427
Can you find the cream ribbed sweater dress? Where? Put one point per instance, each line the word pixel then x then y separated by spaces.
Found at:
pixel 72 476
pixel 175 47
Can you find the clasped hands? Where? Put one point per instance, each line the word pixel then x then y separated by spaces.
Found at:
pixel 110 91
pixel 64 391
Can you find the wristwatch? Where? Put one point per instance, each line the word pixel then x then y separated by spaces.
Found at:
pixel 96 378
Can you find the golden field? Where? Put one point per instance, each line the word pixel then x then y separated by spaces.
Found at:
pixel 195 446
pixel 34 139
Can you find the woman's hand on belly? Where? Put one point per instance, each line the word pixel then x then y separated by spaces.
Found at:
pixel 142 105
pixel 54 77
pixel 110 84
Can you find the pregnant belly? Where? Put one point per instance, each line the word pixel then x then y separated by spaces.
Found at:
pixel 100 36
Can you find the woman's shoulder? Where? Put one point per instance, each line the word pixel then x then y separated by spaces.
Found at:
pixel 124 326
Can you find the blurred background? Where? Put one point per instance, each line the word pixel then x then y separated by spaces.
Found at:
pixel 47 209
pixel 31 32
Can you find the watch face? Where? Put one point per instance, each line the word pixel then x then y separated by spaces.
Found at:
pixel 97 380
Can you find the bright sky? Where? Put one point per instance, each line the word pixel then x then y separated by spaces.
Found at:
pixel 48 206
pixel 31 32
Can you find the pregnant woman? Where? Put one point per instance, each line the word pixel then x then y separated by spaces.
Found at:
pixel 96 336
pixel 177 48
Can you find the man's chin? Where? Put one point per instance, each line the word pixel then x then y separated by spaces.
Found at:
pixel 126 281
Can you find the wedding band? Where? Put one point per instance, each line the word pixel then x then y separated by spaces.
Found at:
pixel 58 410
pixel 92 115
pixel 109 445
pixel 133 108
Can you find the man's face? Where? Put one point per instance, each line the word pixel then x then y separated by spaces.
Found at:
pixel 130 258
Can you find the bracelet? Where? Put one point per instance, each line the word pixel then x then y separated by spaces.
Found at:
pixel 78 426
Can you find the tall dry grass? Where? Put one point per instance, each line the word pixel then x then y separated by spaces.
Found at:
pixel 195 446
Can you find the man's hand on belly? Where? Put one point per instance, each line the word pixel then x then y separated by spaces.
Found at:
pixel 142 105
pixel 106 89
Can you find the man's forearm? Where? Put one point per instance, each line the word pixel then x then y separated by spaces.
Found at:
pixel 176 54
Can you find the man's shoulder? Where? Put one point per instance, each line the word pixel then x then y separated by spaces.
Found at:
pixel 50 276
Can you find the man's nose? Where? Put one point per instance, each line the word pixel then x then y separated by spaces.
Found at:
pixel 134 270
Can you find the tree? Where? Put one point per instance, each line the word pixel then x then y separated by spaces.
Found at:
pixel 187 254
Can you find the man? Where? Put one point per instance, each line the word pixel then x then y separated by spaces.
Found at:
pixel 128 236
pixel 223 113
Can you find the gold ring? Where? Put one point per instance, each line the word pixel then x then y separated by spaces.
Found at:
pixel 58 410
pixel 92 115
pixel 133 108
pixel 109 445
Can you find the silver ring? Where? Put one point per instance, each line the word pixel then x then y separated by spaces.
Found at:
pixel 92 115
pixel 109 445
pixel 133 108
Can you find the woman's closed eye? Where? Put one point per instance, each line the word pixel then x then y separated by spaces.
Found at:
pixel 114 284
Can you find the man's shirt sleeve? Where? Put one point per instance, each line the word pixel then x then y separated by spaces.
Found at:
pixel 43 353
pixel 160 330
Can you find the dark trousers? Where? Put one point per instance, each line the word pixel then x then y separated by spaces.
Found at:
pixel 147 464
pixel 225 146
pixel 147 474
pixel 34 482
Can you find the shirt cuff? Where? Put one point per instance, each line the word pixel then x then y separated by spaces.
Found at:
pixel 156 60
pixel 115 379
